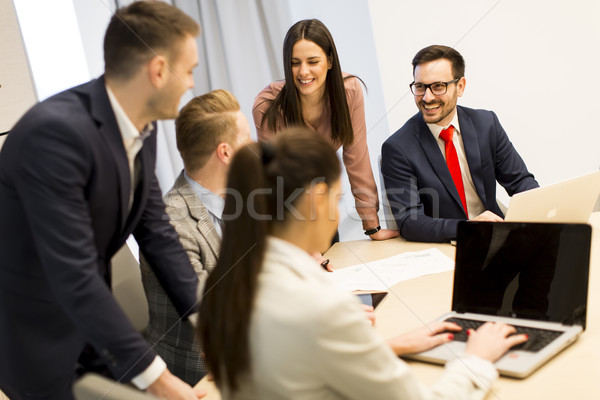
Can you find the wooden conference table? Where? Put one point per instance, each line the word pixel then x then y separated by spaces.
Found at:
pixel 572 374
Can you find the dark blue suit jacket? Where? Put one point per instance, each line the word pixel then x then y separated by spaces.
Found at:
pixel 64 194
pixel 420 190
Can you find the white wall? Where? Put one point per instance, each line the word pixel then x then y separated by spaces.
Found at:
pixel 532 62
pixel 54 47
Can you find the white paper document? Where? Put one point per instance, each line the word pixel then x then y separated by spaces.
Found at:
pixel 382 274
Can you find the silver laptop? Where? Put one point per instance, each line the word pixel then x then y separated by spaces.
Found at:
pixel 533 276
pixel 569 201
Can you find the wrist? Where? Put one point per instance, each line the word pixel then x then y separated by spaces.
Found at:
pixel 398 346
pixel 151 374
pixel 372 231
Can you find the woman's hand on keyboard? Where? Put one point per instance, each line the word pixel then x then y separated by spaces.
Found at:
pixel 425 338
pixel 492 340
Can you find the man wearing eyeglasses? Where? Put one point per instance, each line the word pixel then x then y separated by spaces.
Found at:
pixel 441 167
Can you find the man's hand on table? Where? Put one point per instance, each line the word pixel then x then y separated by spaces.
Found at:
pixel 487 216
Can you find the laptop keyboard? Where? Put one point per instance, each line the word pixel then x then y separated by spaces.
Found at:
pixel 538 338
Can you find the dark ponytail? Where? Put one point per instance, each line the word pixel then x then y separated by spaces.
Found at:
pixel 261 177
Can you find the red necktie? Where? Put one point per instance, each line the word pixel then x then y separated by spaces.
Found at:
pixel 453 165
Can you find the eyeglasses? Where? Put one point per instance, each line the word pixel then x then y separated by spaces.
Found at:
pixel 437 88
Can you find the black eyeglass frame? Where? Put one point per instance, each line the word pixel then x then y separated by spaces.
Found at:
pixel 428 86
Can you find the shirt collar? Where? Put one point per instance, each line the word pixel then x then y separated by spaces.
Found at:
pixel 436 129
pixel 126 126
pixel 212 201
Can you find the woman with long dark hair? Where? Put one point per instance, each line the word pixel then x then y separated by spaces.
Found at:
pixel 271 323
pixel 318 95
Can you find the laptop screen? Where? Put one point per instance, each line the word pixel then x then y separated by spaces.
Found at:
pixel 526 270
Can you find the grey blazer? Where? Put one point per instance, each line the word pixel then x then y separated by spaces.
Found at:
pixel 174 340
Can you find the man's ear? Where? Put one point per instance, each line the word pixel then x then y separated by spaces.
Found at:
pixel 225 152
pixel 460 86
pixel 158 71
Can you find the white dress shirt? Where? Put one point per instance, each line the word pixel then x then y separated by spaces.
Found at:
pixel 474 204
pixel 311 341
pixel 133 141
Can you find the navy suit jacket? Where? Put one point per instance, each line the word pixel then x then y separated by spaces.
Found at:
pixel 420 190
pixel 64 194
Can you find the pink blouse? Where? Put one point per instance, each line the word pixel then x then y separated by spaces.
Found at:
pixel 355 156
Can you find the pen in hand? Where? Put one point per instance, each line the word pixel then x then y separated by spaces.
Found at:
pixel 323 262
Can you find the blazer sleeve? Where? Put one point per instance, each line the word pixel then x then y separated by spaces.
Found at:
pixel 511 171
pixel 357 363
pixel 356 158
pixel 187 230
pixel 164 253
pixel 405 202
pixel 52 183
pixel 190 245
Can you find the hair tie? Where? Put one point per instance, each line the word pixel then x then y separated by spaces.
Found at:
pixel 268 152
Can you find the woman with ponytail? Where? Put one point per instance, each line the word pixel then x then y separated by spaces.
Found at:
pixel 271 324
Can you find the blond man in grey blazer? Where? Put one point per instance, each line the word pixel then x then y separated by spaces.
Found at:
pixel 209 129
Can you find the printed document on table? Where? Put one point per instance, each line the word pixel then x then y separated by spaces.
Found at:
pixel 382 274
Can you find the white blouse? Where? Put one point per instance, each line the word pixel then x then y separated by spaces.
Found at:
pixel 310 340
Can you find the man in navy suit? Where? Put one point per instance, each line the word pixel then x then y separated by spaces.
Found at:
pixel 441 167
pixel 76 179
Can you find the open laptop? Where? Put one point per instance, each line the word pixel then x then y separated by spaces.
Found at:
pixel 533 276
pixel 569 201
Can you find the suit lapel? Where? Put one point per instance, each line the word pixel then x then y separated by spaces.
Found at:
pixel 200 214
pixel 471 145
pixel 436 159
pixel 104 116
